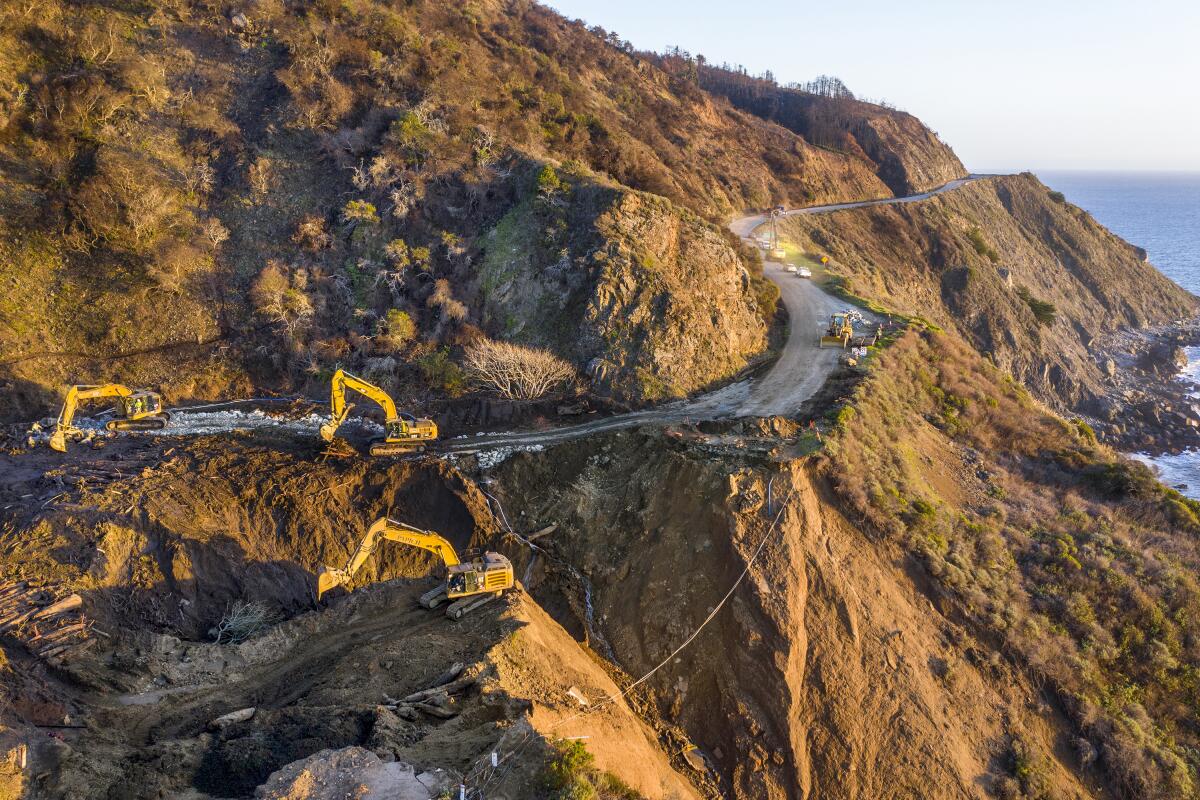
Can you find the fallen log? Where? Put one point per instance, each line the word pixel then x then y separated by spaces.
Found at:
pixel 68 603
pixel 448 689
pixel 435 711
pixel 455 670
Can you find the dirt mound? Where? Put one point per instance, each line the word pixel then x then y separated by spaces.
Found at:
pixel 162 555
pixel 349 772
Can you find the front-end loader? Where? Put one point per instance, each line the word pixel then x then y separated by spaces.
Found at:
pixel 403 432
pixel 135 411
pixel 469 584
pixel 839 333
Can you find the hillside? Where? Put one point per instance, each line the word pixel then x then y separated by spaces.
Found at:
pixel 907 156
pixel 928 576
pixel 1029 280
pixel 216 202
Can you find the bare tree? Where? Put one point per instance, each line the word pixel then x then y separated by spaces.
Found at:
pixel 516 372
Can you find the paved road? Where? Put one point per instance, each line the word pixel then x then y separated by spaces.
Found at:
pixel 797 375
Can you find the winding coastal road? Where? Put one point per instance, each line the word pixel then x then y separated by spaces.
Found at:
pixel 798 373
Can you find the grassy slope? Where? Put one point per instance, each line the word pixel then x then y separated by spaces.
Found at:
pixel 153 160
pixel 1058 554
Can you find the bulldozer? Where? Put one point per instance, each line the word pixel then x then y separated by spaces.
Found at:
pixel 470 584
pixel 134 411
pixel 839 332
pixel 404 432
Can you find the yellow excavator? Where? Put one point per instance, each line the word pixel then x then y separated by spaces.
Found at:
pixel 839 332
pixel 134 411
pixel 469 584
pixel 404 432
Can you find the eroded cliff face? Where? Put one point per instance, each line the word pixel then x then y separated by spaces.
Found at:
pixel 1030 281
pixel 647 299
pixel 910 157
pixel 827 673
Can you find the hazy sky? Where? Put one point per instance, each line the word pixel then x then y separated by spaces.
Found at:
pixel 1020 84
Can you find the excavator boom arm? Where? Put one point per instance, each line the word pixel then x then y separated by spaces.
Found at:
pixel 338 408
pixel 77 394
pixel 385 528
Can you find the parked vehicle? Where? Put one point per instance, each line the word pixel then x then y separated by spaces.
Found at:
pixel 804 272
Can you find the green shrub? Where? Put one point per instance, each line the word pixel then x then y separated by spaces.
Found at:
pixel 399 329
pixel 359 211
pixel 981 246
pixel 1058 197
pixel 570 774
pixel 440 371
pixel 548 181
pixel 1044 312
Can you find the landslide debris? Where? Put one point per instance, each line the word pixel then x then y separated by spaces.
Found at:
pixel 827 673
pixel 155 706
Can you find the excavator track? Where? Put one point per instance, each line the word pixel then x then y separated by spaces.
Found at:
pixel 381 447
pixel 460 608
pixel 145 424
pixel 434 597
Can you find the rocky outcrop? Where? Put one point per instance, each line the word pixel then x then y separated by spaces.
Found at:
pixel 1032 282
pixel 647 299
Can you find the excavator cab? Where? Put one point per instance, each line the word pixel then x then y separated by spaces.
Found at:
pixel 138 406
pixel 404 433
pixel 490 572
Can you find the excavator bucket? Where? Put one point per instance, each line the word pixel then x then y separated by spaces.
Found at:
pixel 328 579
pixel 327 431
pixel 58 441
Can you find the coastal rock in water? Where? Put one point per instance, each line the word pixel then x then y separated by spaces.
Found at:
pixel 1163 358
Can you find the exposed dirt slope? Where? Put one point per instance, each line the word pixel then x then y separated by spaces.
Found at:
pixel 828 674
pixel 160 559
pixel 985 259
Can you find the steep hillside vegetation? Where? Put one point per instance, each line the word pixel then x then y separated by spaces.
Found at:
pixel 649 300
pixel 210 198
pixel 1028 279
pixel 907 156
pixel 1062 559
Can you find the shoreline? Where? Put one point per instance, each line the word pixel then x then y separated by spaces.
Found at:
pixel 1151 409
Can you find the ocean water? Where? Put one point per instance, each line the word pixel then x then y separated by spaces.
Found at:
pixel 1161 213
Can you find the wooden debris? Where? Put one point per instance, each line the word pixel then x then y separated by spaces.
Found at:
pixel 448 689
pixel 49 628
pixel 546 531
pixel 453 672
